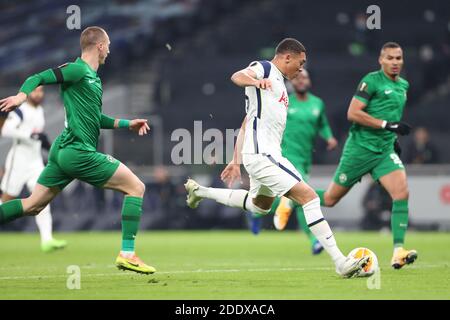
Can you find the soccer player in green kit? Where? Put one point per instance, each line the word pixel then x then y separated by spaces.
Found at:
pixel 73 154
pixel 306 120
pixel 375 111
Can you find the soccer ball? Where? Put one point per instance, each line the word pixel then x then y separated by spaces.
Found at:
pixel 372 265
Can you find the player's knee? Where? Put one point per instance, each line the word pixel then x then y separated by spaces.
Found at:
pixel 401 193
pixel 138 189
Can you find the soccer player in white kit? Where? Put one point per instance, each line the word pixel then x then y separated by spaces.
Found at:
pixel 258 146
pixel 24 163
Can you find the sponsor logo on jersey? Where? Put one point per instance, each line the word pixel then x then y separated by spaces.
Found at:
pixel 388 91
pixel 110 158
pixel 91 80
pixel 284 99
pixel 342 178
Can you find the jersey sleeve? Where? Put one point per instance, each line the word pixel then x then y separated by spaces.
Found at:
pixel 11 127
pixel 366 89
pixel 106 122
pixel 257 68
pixel 67 73
pixel 324 126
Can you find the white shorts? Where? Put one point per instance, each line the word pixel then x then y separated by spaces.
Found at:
pixel 16 177
pixel 269 176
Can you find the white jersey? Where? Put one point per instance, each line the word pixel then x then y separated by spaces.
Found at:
pixel 25 152
pixel 266 112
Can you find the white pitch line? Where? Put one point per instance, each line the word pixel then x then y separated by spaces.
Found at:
pixel 195 271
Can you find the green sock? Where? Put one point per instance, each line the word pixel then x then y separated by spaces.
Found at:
pixel 10 211
pixel 399 221
pixel 321 194
pixel 303 225
pixel 131 216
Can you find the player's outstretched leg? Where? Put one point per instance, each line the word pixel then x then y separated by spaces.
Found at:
pixel 31 206
pixel 281 218
pixel 237 198
pixel 128 183
pixel 396 185
pixel 304 195
pixel 316 246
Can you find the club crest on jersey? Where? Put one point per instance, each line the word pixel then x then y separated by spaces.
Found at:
pixel 284 99
pixel 316 112
pixel 342 178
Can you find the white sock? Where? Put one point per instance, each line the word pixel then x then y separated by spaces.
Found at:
pixel 44 224
pixel 230 197
pixel 321 229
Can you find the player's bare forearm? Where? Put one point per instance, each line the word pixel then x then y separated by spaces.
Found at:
pixel 237 156
pixel 357 114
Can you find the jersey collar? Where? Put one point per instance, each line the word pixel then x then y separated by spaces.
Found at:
pixel 79 60
pixel 277 70
pixel 384 75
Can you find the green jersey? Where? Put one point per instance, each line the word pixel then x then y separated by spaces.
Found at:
pixel 385 99
pixel 305 120
pixel 81 91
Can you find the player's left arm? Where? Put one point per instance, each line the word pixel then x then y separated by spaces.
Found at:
pixel 137 125
pixel 232 171
pixel 356 113
pixel 325 130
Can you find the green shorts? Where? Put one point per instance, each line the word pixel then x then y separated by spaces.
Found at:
pixel 357 161
pixel 67 164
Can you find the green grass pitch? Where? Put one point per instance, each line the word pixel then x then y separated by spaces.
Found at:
pixel 218 265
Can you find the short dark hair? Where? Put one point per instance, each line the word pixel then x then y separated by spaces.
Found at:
pixel 390 45
pixel 91 36
pixel 290 45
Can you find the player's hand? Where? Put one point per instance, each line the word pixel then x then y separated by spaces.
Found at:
pixel 331 143
pixel 140 126
pixel 402 128
pixel 10 103
pixel 265 84
pixel 397 148
pixel 231 173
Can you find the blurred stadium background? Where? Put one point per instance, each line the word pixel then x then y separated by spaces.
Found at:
pixel 171 61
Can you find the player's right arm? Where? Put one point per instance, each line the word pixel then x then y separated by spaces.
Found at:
pixel 356 113
pixel 67 73
pixel 252 76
